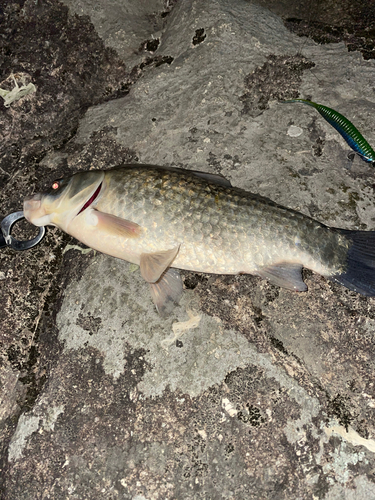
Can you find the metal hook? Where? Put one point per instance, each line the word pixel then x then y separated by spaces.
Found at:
pixel 6 239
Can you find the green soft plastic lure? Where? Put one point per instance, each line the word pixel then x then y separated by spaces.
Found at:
pixel 349 132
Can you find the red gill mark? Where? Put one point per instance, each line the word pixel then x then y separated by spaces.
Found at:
pixel 92 199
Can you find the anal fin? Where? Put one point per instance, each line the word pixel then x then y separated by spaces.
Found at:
pixel 167 291
pixel 285 274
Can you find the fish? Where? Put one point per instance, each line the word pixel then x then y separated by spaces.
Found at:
pixel 168 219
pixel 348 131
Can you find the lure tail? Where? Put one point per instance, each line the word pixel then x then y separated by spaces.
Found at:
pixel 348 131
pixel 359 274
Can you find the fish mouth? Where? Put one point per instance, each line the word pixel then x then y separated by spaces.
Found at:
pixel 32 203
pixel 91 200
pixel 33 210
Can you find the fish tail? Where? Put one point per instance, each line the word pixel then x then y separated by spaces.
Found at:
pixel 344 127
pixel 359 274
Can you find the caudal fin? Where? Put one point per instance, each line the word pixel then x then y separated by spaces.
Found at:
pixel 359 275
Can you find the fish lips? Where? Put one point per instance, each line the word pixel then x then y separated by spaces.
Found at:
pixel 32 202
pixel 34 211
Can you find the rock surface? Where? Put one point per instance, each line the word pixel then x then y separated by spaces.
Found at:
pixel 246 391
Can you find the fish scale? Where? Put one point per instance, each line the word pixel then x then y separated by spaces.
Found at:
pixel 165 219
pixel 221 230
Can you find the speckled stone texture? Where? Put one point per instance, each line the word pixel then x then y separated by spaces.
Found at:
pixel 247 391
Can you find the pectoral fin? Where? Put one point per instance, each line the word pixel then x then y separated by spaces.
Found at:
pixel 154 264
pixel 167 291
pixel 284 274
pixel 116 225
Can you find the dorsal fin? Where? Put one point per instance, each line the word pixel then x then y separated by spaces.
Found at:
pixel 212 178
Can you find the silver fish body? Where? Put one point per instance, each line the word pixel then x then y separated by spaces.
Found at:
pixel 218 229
pixel 170 218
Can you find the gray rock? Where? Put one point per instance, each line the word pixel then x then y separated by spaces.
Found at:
pixel 125 26
pixel 246 391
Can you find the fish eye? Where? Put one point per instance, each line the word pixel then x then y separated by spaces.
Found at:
pixel 57 184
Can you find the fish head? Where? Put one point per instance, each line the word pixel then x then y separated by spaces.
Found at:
pixel 65 199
